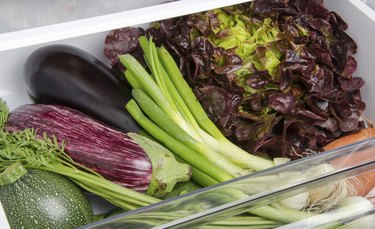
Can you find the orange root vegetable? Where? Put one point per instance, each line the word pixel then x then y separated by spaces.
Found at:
pixel 363 134
pixel 362 183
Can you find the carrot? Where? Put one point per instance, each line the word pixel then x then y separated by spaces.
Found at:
pixel 363 134
pixel 362 183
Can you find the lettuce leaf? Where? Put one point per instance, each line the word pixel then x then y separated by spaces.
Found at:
pixel 275 76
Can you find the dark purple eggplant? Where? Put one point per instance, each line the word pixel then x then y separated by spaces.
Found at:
pixel 65 75
pixel 128 159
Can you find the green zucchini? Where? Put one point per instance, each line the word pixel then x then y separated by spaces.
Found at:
pixel 41 199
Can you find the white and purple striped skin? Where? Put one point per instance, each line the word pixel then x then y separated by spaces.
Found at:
pixel 93 144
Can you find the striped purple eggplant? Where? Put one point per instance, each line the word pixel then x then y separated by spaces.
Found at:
pixel 111 153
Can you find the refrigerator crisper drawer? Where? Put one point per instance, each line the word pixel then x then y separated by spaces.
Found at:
pixel 370 3
pixel 263 191
pixel 224 202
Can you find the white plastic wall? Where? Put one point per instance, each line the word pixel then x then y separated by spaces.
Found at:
pixel 361 20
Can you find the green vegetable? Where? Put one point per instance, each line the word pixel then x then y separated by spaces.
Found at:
pixel 165 170
pixel 167 109
pixel 48 155
pixel 181 118
pixel 183 188
pixel 169 102
pixel 217 139
pixel 351 206
pixel 154 219
pixel 253 42
pixel 245 222
pixel 194 159
pixel 40 199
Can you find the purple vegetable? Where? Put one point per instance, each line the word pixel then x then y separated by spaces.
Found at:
pixel 68 76
pixel 113 154
pixel 295 88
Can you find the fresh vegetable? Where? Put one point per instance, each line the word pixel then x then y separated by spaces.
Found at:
pixel 173 115
pixel 365 222
pixel 326 197
pixel 173 108
pixel 248 222
pixel 130 160
pixel 41 199
pixel 183 188
pixel 155 219
pixel 275 77
pixel 44 153
pixel 361 135
pixel 349 207
pixel 175 118
pixel 362 183
pixel 65 75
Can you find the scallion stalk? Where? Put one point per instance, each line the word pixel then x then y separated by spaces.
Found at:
pixel 188 122
pixel 146 82
pixel 350 207
pixel 199 176
pixel 187 94
pixel 186 130
pixel 164 82
pixel 245 221
pixel 161 118
pixel 186 153
pixel 224 146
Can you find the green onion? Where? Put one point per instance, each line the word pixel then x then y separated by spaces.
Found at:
pixel 147 83
pixel 187 94
pixel 161 118
pixel 166 107
pixel 245 222
pixel 175 146
pixel 199 176
pixel 348 208
pixel 170 103
pixel 224 146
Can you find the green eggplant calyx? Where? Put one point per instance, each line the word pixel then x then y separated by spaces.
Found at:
pixel 166 171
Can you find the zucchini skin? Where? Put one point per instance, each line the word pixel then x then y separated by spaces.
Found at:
pixel 65 75
pixel 41 199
